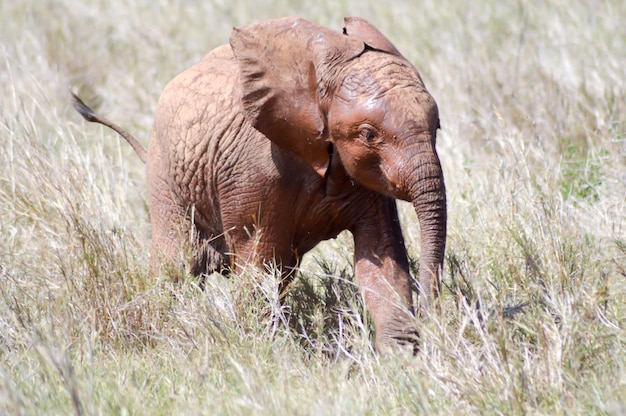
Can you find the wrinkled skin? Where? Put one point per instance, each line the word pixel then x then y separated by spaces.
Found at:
pixel 289 135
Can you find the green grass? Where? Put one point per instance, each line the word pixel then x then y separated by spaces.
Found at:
pixel 532 99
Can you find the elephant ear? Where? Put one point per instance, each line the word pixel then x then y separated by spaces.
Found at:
pixel 286 66
pixel 362 29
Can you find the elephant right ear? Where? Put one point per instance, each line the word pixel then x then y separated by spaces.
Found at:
pixel 285 67
pixel 364 30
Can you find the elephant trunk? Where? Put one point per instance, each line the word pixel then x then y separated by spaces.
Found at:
pixel 428 195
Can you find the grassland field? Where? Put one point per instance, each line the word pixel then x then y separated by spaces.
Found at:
pixel 532 98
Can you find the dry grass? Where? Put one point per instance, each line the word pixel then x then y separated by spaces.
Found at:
pixel 533 106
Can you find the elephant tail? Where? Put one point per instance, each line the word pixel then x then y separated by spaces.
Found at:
pixel 90 115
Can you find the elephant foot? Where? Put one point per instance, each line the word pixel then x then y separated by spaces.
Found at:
pixel 407 341
pixel 398 334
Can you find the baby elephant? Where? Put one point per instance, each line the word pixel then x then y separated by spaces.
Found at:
pixel 287 136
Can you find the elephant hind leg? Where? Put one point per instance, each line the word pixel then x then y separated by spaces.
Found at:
pixel 171 250
pixel 179 246
pixel 208 254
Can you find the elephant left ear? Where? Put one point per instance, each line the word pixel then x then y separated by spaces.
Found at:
pixel 363 30
pixel 285 66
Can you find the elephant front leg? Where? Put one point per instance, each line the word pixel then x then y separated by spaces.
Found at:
pixel 382 274
pixel 263 247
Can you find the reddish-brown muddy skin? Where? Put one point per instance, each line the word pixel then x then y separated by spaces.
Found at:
pixel 289 135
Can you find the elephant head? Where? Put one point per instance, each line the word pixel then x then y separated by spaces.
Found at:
pixel 353 108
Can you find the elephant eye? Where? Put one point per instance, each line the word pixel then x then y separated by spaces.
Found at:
pixel 367 133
